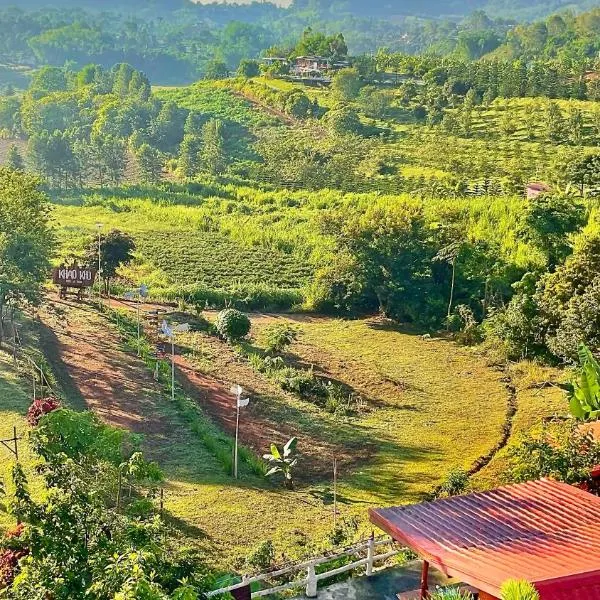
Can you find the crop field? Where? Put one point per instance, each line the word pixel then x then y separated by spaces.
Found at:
pixel 213 260
pixel 173 249
pixel 215 100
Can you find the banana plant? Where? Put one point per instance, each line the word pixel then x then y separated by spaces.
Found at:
pixel 283 462
pixel 584 393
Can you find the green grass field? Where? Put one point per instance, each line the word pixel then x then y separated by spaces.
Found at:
pixel 430 406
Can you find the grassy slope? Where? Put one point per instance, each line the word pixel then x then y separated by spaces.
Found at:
pixel 14 402
pixel 428 397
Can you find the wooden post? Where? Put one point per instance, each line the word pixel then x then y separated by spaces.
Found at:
pixel 16 440
pixel 425 580
pixel 162 500
pixel 370 554
pixel 334 492
pixel 311 582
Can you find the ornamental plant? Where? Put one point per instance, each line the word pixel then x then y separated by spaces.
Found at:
pixel 41 407
pixel 518 590
pixel 232 324
pixel 584 392
pixel 283 462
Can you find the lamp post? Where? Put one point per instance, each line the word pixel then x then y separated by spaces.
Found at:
pixel 170 332
pixel 240 402
pixel 99 227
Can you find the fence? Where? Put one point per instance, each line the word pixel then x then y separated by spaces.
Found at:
pixel 312 578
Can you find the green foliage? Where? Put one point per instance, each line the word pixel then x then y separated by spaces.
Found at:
pixel 276 338
pixel 283 462
pixel 26 241
pixel 232 324
pixel 347 84
pixel 79 436
pixel 450 593
pixel 560 451
pixel 115 249
pixel 518 590
pixel 14 160
pixel 262 558
pixel 456 483
pixel 248 69
pixel 584 397
pixel 548 222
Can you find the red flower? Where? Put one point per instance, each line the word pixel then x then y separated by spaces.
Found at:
pixel 41 407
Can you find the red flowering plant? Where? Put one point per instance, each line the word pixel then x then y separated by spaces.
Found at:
pixel 12 549
pixel 41 407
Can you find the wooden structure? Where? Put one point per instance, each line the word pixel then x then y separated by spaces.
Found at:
pixel 545 532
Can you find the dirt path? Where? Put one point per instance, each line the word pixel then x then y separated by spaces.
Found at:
pixel 272 417
pixel 94 372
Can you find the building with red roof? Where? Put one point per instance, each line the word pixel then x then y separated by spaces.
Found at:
pixel 545 532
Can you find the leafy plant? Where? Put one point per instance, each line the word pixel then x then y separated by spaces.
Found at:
pixel 232 324
pixel 279 336
pixel 262 557
pixel 558 451
pixel 283 462
pixel 450 593
pixel 584 393
pixel 456 483
pixel 518 590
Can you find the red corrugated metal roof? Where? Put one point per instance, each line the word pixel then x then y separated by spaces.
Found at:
pixel 543 531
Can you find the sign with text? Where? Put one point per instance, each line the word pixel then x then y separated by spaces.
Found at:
pixel 77 277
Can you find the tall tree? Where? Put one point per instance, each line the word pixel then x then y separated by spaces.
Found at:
pixel 26 241
pixel 116 250
pixel 214 158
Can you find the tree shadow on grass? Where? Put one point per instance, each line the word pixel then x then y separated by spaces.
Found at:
pixel 51 348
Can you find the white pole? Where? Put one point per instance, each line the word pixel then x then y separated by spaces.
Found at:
pixel 237 431
pixel 370 555
pixel 138 325
pixel 311 582
pixel 173 367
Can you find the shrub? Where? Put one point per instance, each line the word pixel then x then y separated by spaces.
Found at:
pixel 518 590
pixel 279 336
pixel 456 483
pixel 232 324
pixel 41 407
pixel 558 451
pixel 262 557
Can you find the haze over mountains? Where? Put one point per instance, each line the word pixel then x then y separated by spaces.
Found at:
pixel 518 9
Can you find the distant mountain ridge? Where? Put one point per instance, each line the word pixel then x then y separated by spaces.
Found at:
pixel 514 9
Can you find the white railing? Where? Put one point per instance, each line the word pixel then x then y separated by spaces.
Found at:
pixel 310 581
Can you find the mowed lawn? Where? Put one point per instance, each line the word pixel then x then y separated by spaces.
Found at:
pixel 433 406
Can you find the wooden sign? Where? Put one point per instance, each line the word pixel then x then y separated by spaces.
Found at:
pixel 76 277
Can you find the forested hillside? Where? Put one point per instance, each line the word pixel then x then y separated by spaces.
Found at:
pixel 177 42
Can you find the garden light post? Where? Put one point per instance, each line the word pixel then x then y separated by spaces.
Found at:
pixel 240 402
pixel 99 227
pixel 170 332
